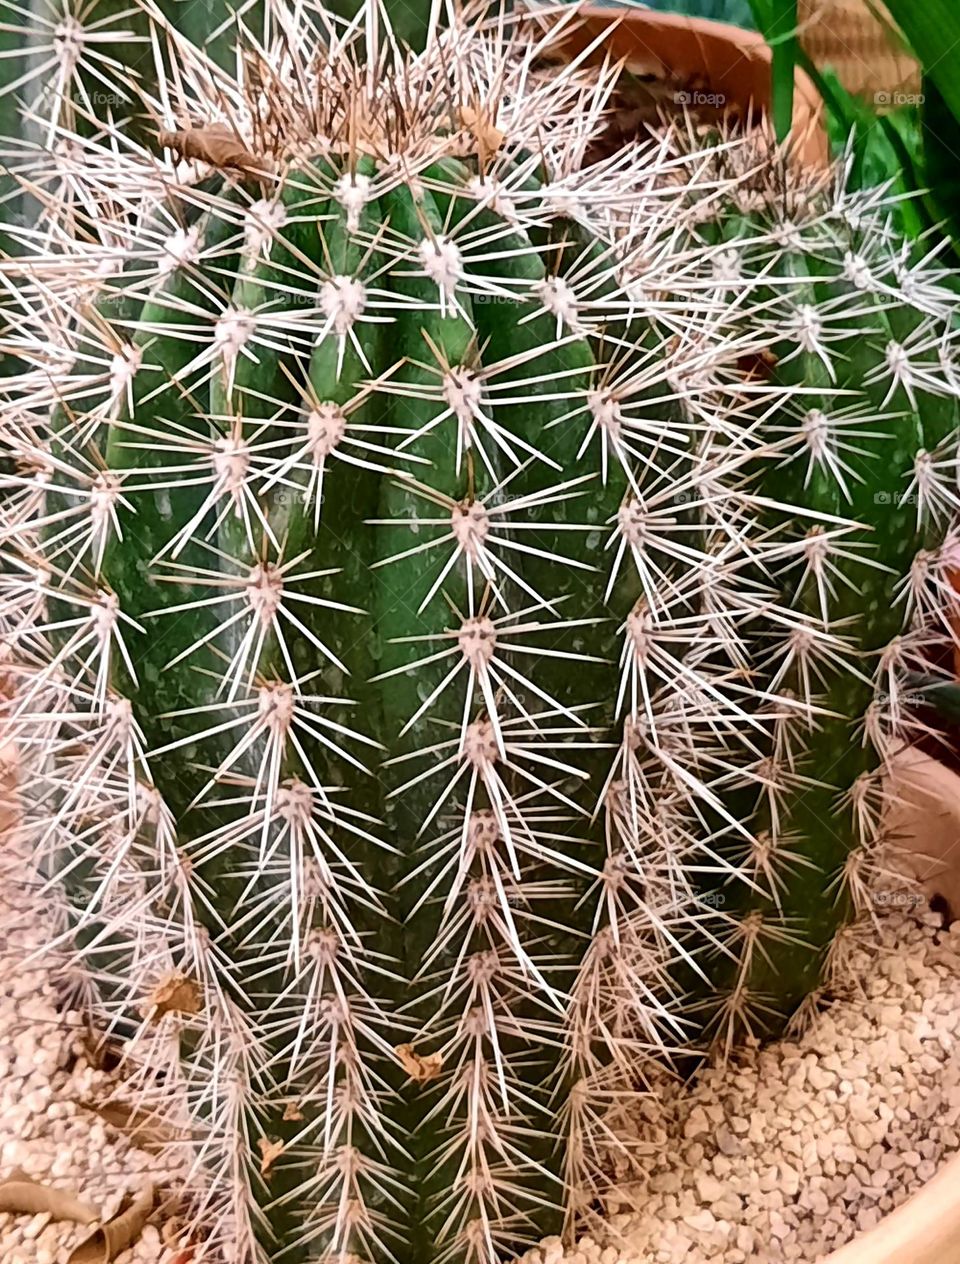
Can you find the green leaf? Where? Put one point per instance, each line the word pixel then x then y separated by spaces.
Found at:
pixel 777 20
pixel 932 28
pixel 781 35
pixel 885 148
pixel 941 158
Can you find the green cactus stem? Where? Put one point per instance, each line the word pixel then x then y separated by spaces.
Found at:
pixel 452 589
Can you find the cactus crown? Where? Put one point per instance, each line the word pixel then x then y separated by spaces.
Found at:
pixel 449 582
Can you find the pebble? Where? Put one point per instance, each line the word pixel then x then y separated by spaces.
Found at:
pixel 814 1140
pixel 789 1156
pixel 43 1075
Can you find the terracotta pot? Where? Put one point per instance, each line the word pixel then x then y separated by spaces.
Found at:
pixel 720 67
pixel 924 1230
pixel 924 817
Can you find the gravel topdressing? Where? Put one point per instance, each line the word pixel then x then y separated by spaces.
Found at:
pixel 46 1085
pixel 784 1155
pixel 797 1147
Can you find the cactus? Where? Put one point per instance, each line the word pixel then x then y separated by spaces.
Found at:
pixel 77 69
pixel 861 362
pixel 459 596
pixel 69 71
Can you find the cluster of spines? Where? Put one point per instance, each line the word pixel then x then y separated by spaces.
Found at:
pixel 676 430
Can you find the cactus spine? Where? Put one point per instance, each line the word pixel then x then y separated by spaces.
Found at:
pixel 867 440
pixel 75 70
pixel 71 71
pixel 445 630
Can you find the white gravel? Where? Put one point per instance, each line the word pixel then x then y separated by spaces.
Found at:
pixel 783 1156
pixel 790 1152
pixel 44 1078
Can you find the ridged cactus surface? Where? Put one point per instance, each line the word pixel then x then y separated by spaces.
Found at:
pixel 458 597
pixel 71 70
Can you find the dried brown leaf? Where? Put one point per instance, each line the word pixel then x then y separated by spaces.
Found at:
pixel 176 1238
pixel 489 138
pixel 758 365
pixel 217 145
pixel 420 1069
pixel 270 1151
pixel 102 1052
pixel 176 994
pixel 171 1232
pixel 106 1243
pixel 143 1128
pixel 23 1196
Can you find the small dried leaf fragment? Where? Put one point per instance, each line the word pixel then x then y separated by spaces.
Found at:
pixel 420 1069
pixel 176 994
pixel 102 1052
pixel 217 145
pixel 489 138
pixel 142 1128
pixel 21 1195
pixel 270 1151
pixel 172 1234
pixel 366 130
pixel 106 1243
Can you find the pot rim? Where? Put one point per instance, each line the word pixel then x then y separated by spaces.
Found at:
pixel 923 1230
pixel 722 60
